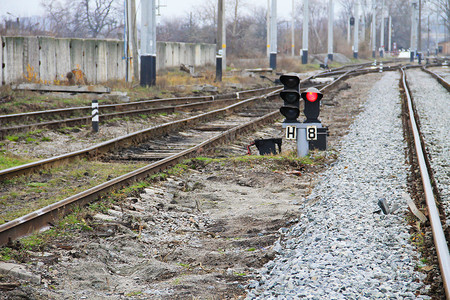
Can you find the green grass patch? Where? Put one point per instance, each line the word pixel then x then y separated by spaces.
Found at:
pixel 9 161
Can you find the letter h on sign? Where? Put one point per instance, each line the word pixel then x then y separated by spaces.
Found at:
pixel 291 132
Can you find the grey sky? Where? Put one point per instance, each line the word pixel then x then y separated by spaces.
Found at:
pixel 27 8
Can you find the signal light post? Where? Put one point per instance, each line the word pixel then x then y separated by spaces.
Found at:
pixel 306 133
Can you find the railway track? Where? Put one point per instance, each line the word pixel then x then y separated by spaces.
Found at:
pixel 145 153
pixel 26 121
pixel 164 158
pixel 432 163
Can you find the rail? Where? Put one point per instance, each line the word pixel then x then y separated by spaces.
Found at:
pixel 438 233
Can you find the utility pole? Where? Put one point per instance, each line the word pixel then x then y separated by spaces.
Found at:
pixel 132 40
pixel 273 34
pixel 330 29
pixel 305 31
pixel 374 29
pixel 220 44
pixel 363 23
pixel 356 31
pixel 268 28
pixel 419 30
pixel 382 30
pixel 293 29
pixel 148 43
pixel 428 36
pixel 413 43
pixel 390 34
pixel 349 26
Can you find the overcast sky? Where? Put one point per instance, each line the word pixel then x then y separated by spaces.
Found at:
pixel 27 8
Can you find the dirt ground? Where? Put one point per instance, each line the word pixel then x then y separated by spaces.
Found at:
pixel 197 235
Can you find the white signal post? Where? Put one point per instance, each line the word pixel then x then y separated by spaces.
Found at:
pixel 330 29
pixel 273 35
pixel 305 31
pixel 356 31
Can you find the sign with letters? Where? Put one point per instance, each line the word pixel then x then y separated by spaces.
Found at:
pixel 291 132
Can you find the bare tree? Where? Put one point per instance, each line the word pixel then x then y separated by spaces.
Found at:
pixel 442 8
pixel 83 18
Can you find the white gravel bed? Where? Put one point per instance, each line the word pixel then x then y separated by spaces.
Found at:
pixel 432 104
pixel 342 249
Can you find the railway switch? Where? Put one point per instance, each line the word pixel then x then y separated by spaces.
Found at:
pixel 291 97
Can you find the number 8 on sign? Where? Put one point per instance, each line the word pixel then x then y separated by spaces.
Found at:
pixel 311 133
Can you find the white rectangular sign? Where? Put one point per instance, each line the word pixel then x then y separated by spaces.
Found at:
pixel 311 133
pixel 291 132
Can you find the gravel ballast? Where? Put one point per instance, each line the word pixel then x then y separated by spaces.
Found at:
pixel 342 248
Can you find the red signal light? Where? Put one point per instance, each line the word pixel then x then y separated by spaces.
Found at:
pixel 311 97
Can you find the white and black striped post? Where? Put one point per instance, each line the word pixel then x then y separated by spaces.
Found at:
pixel 95 115
pixel 305 32
pixel 148 43
pixel 273 36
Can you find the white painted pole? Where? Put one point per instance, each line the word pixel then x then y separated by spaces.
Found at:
pixel 293 29
pixel 305 31
pixel 330 29
pixel 356 33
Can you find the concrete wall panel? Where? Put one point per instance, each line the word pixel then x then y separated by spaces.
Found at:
pixel 2 81
pixel 77 54
pixel 112 67
pixel 100 60
pixel 31 57
pixel 62 54
pixel 47 57
pixel 90 56
pixel 13 59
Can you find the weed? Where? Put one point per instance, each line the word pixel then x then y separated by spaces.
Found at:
pixel 131 294
pixel 12 138
pixel 45 139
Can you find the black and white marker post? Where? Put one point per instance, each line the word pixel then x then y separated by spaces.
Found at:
pixel 148 43
pixel 95 115
pixel 273 36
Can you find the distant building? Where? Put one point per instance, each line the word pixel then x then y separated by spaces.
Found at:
pixel 444 48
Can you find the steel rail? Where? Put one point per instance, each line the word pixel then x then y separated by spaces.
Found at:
pixel 127 140
pixel 87 120
pixel 438 232
pixel 441 80
pixel 41 218
pixel 123 106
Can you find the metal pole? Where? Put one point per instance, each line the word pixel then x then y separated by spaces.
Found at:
pixel 273 33
pixel 293 29
pixel 305 31
pixel 148 43
pixel 413 31
pixel 268 28
pixel 224 39
pixel 356 29
pixel 382 30
pixel 219 43
pixel 330 29
pixel 419 30
pixel 390 35
pixel 348 31
pixel 363 24
pixel 374 29
pixel 428 36
pixel 95 115
pixel 133 40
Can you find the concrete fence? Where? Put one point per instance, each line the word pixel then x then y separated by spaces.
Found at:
pixel 48 59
